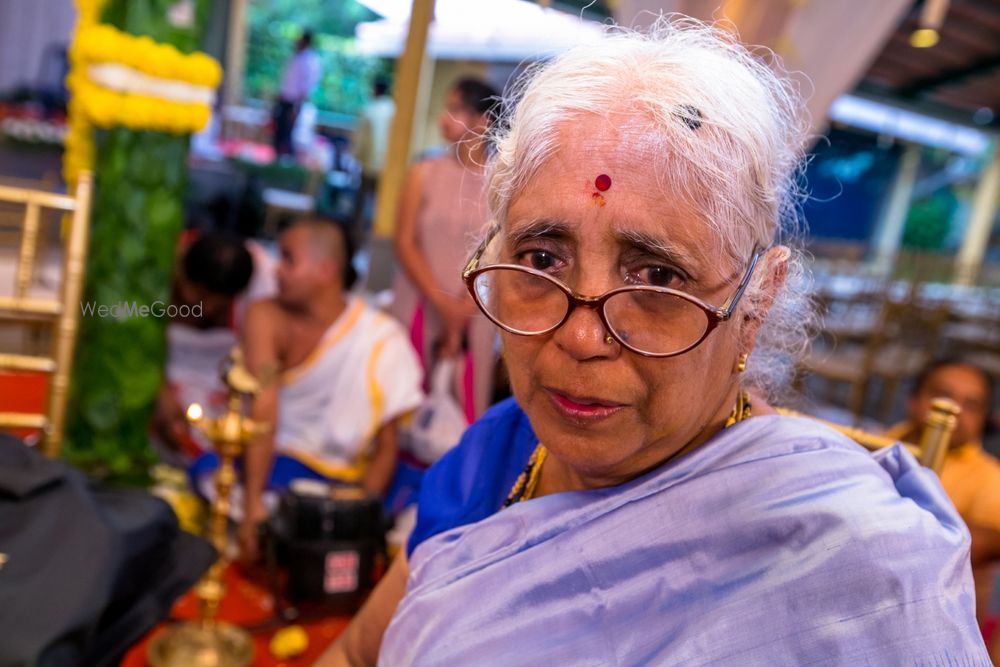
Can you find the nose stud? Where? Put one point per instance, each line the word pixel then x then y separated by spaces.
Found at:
pixel 608 339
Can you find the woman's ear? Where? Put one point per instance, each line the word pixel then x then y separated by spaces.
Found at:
pixel 775 270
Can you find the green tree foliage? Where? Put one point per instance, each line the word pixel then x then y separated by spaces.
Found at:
pixel 275 26
pixel 929 221
pixel 136 219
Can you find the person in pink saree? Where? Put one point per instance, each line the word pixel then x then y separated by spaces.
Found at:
pixel 441 216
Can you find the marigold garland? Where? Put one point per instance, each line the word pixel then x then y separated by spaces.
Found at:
pixel 104 43
pixel 92 105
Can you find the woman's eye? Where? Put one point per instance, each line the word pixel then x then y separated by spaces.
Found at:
pixel 655 276
pixel 539 259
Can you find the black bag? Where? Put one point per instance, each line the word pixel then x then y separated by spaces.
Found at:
pixel 86 572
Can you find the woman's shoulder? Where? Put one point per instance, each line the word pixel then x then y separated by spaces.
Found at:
pixel 840 536
pixel 507 413
pixel 470 482
pixel 496 443
pixel 810 470
pixel 788 444
pixel 501 433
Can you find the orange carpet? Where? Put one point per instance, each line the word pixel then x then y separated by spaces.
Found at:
pixel 248 603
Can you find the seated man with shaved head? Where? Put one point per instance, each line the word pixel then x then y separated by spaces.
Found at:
pixel 336 376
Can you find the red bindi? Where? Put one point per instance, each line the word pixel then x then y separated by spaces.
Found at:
pixel 602 182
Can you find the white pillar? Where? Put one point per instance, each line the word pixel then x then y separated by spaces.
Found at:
pixel 984 211
pixel 236 52
pixel 889 232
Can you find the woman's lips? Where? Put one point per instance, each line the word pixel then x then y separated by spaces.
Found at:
pixel 583 408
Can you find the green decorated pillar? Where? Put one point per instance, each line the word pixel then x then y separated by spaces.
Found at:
pixel 137 91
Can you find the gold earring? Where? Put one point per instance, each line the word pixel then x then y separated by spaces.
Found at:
pixel 741 362
pixel 608 340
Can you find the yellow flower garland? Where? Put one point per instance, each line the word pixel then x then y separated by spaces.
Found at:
pixel 92 105
pixel 105 44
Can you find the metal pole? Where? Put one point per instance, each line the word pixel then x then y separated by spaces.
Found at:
pixel 977 236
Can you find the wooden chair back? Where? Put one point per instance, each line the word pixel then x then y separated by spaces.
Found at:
pixel 61 313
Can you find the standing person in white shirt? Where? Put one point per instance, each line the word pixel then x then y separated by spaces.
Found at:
pixel 371 138
pixel 300 78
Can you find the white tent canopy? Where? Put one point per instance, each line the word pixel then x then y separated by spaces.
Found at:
pixel 491 30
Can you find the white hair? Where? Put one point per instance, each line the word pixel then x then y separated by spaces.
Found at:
pixel 728 133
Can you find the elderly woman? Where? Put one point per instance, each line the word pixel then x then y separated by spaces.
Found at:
pixel 638 502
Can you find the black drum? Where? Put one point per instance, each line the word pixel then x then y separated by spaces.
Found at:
pixel 329 538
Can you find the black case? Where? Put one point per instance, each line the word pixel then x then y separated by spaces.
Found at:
pixel 330 546
pixel 89 571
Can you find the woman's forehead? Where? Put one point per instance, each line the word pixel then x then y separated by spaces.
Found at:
pixel 615 136
pixel 609 177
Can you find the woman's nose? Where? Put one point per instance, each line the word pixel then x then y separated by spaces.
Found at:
pixel 583 336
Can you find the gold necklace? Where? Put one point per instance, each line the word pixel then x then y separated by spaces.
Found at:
pixel 526 483
pixel 741 410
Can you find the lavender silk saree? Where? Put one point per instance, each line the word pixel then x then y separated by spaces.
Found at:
pixel 779 542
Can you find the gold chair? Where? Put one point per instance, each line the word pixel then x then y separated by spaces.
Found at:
pixel 11 214
pixel 934 437
pixel 61 313
pixel 900 342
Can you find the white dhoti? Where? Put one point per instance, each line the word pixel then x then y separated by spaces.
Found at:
pixel 362 374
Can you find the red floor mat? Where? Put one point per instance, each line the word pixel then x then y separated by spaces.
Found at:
pixel 247 603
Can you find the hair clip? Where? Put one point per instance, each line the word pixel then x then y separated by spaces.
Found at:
pixel 690 115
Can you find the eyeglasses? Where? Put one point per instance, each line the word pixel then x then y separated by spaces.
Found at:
pixel 648 320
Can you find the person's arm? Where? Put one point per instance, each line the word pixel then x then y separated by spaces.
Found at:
pixel 985 546
pixel 383 462
pixel 169 422
pixel 261 352
pixel 411 256
pixel 985 558
pixel 454 310
pixel 359 644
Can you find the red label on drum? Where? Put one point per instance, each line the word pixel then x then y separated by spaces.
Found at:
pixel 341 572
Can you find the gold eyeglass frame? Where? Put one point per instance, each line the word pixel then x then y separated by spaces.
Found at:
pixel 714 314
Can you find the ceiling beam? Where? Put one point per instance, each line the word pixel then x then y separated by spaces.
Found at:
pixel 951 76
pixel 928 107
